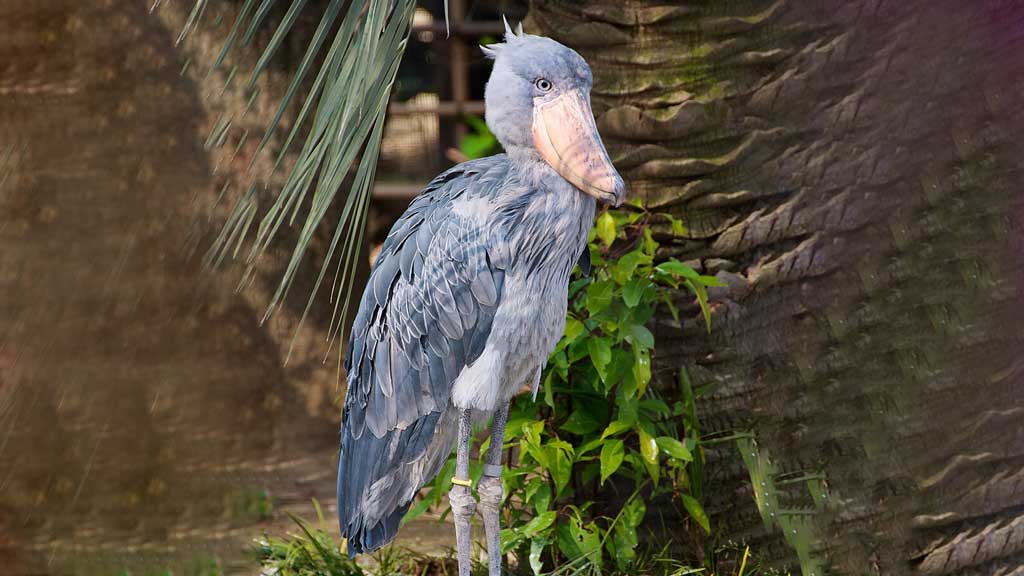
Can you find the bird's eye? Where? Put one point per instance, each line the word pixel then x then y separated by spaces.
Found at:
pixel 542 84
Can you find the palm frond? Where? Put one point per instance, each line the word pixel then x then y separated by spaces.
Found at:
pixel 342 115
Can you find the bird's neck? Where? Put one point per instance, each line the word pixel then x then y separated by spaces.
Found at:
pixel 532 169
pixel 523 155
pixel 549 217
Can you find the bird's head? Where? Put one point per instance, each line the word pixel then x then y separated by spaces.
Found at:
pixel 538 97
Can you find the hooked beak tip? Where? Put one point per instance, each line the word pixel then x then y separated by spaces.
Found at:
pixel 619 193
pixel 615 194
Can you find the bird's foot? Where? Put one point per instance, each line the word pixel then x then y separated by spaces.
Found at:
pixel 491 494
pixel 463 507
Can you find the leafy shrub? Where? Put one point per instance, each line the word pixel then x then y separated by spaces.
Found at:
pixel 600 443
pixel 312 552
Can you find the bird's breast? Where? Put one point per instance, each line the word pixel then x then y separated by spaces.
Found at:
pixel 550 236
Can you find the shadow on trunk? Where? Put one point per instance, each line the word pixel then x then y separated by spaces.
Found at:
pixel 852 171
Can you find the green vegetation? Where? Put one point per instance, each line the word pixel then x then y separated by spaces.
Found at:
pixel 336 131
pixel 313 552
pixel 480 142
pixel 796 522
pixel 600 444
pixel 595 455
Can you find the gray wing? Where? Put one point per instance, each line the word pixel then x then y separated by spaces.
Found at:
pixel 426 313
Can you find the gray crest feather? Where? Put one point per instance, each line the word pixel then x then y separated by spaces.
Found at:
pixel 492 50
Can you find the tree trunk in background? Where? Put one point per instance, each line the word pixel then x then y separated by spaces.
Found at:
pixel 853 170
pixel 142 409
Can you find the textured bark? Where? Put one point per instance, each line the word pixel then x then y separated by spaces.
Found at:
pixel 142 406
pixel 852 170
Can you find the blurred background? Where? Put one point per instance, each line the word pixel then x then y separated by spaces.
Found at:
pixel 851 170
pixel 148 419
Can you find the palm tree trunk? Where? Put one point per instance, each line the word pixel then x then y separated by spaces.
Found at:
pixel 142 407
pixel 852 170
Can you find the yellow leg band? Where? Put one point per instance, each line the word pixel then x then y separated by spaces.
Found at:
pixel 461 482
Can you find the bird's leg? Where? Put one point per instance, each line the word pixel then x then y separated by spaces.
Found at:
pixel 491 493
pixel 461 496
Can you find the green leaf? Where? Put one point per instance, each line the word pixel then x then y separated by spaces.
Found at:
pixel 560 468
pixel 678 228
pixel 612 454
pixel 623 546
pixel 576 285
pixel 642 337
pixel 577 350
pixel 656 405
pixel 531 442
pixel 592 444
pixel 666 299
pixel 641 370
pixel 649 244
pixel 702 298
pixel 560 361
pixel 567 543
pixel 581 422
pixel 549 397
pixel 606 228
pixel 561 445
pixel 674 448
pixel 625 535
pixel 532 487
pixel 620 369
pixel 599 296
pixel 628 384
pixel 537 546
pixel 633 291
pixel 541 500
pixel 587 541
pixel 600 355
pixel 532 431
pixel 711 281
pixel 628 410
pixel 677 268
pixel 614 428
pixel 541 522
pixel 676 224
pixel 633 512
pixel 625 266
pixel 510 538
pixel 648 446
pixel 573 329
pixel 696 511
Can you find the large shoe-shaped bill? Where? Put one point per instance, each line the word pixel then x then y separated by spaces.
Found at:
pixel 565 134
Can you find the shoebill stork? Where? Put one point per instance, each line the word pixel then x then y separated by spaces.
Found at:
pixel 468 298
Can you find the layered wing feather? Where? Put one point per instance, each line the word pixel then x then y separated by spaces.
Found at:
pixel 426 314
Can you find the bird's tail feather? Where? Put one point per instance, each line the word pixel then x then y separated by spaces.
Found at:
pixel 379 477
